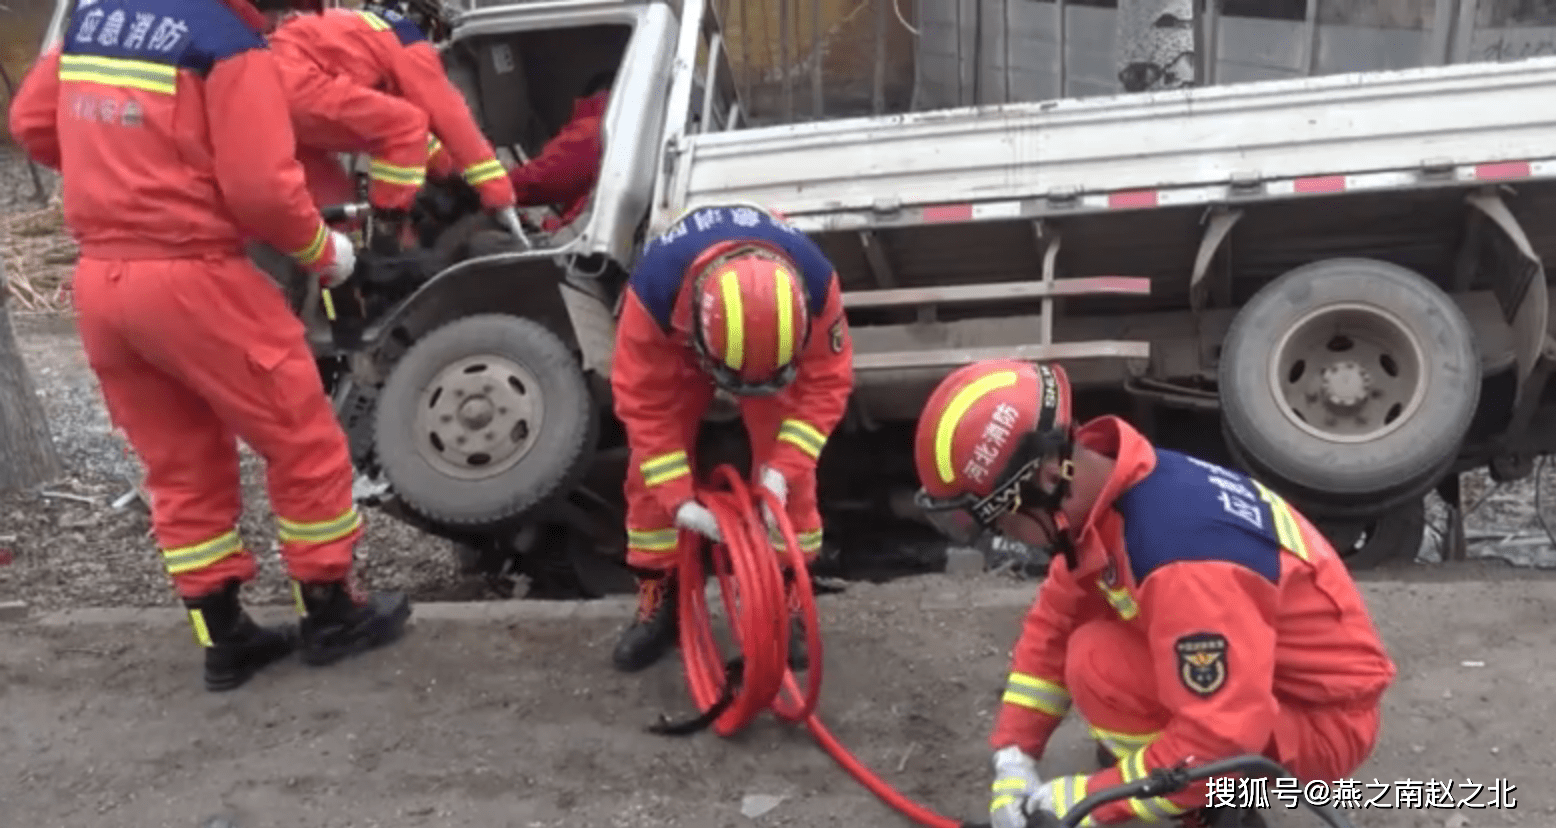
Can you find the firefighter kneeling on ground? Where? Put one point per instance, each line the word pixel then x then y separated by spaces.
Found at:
pixel 168 123
pixel 1190 613
pixel 731 299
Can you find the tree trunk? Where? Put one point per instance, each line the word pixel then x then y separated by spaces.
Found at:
pixel 27 455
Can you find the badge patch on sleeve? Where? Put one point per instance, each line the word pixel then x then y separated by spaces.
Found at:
pixel 1202 665
pixel 837 336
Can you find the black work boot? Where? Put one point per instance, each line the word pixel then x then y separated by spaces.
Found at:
pixel 338 623
pixel 235 647
pixel 653 631
pixel 799 658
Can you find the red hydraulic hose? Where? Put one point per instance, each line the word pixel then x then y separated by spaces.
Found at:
pixel 752 588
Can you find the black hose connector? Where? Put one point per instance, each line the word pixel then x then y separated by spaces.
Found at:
pixel 1165 781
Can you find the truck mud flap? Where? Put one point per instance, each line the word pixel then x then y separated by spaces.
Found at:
pixel 1520 288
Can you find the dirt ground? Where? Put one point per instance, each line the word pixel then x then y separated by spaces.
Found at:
pixel 507 714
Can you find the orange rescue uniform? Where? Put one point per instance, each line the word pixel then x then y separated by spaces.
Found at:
pixel 661 393
pixel 369 81
pixel 1206 618
pixel 168 121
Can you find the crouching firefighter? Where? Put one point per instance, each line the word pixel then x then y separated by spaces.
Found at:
pixel 169 126
pixel 370 80
pixel 1189 612
pixel 730 300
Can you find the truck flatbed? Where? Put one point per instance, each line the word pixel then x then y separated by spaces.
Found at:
pixel 1244 142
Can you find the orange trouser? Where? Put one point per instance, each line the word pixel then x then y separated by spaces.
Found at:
pixel 191 352
pixel 1108 673
pixel 651 531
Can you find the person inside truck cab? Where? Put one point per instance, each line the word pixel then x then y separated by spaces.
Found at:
pixel 1189 613
pixel 563 175
pixel 370 81
pixel 729 300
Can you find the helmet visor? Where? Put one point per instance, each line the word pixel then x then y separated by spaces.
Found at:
pixel 966 518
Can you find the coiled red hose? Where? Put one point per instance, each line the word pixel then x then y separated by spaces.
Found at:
pixel 752 588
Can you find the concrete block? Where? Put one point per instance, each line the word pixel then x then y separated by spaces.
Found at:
pixel 13 611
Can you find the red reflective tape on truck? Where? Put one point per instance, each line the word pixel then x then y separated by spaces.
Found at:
pixel 1119 284
pixel 1320 184
pixel 1505 169
pixel 948 212
pixel 1132 199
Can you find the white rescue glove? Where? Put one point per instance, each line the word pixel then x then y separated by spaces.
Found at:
pixel 345 260
pixel 696 517
pixel 1016 785
pixel 772 480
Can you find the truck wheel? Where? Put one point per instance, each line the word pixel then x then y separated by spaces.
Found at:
pixel 483 419
pixel 1367 543
pixel 1350 383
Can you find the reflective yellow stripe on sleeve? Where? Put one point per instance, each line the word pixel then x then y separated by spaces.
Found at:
pixel 1120 744
pixel 1149 809
pixel 1039 694
pixel 483 171
pixel 653 540
pixel 201 555
pixel 396 174
pixel 803 435
pixel 323 531
pixel 809 541
pixel 1287 530
pixel 1068 791
pixel 314 250
pixel 144 75
pixel 665 468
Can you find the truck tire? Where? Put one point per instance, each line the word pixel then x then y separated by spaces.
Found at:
pixel 484 419
pixel 1369 542
pixel 1349 384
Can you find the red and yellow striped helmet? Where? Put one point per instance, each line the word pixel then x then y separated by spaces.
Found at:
pixel 750 321
pixel 983 434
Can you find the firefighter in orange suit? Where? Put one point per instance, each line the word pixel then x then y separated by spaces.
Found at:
pixel 730 298
pixel 370 80
pixel 1191 614
pixel 169 125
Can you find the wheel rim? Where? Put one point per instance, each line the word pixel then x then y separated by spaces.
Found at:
pixel 478 417
pixel 1348 373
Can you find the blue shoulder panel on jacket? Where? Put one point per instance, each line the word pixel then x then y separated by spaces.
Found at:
pixel 401 25
pixel 1191 510
pixel 657 278
pixel 189 34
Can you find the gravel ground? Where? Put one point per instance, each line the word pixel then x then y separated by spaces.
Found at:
pixel 69 546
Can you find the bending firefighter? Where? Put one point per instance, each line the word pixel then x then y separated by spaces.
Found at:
pixel 1189 612
pixel 370 81
pixel 729 299
pixel 169 125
